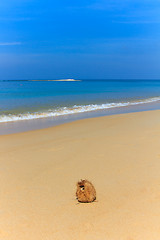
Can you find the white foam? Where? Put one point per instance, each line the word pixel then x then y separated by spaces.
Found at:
pixel 57 80
pixel 72 110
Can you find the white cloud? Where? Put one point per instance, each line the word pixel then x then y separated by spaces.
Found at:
pixel 17 19
pixel 137 22
pixel 10 43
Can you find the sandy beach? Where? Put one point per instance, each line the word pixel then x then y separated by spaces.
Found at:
pixel 119 154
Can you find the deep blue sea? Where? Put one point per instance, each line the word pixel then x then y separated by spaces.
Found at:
pixel 25 100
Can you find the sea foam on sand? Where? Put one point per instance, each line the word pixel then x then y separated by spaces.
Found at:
pixel 62 111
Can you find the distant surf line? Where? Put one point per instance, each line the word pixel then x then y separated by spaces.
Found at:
pixel 44 80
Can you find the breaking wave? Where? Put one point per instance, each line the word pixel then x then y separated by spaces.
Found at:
pixel 72 110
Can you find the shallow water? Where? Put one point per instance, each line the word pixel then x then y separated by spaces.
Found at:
pixel 58 101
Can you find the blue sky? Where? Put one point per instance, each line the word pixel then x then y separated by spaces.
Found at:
pixel 85 39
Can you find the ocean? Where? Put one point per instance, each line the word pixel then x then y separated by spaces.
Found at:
pixel 30 100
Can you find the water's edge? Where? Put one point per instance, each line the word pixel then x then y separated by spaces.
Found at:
pixel 72 110
pixel 10 127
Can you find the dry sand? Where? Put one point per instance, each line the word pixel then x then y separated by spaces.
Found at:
pixel 39 169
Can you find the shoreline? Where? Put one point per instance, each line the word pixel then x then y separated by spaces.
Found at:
pixel 41 123
pixel 119 154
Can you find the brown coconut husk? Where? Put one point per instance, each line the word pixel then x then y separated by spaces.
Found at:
pixel 86 192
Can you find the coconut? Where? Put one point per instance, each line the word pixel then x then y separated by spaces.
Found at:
pixel 86 192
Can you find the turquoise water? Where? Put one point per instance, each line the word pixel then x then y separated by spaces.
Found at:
pixel 24 100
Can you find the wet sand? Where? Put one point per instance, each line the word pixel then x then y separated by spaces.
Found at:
pixel 39 169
